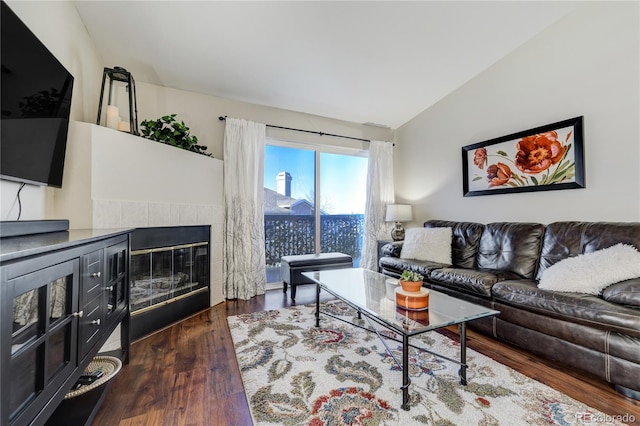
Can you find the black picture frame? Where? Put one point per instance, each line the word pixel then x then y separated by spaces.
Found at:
pixel 544 158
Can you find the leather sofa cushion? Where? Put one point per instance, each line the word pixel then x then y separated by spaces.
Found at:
pixel 624 293
pixel 580 308
pixel 475 281
pixel 465 241
pixel 396 266
pixel 511 246
pixel 565 239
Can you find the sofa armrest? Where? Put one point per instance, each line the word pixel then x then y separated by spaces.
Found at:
pixel 392 249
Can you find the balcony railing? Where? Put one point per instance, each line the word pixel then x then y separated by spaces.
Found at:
pixel 293 234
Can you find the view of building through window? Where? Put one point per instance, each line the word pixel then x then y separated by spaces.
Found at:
pixel 290 177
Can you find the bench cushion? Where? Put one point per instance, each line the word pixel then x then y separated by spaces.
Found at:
pixel 292 267
pixel 301 260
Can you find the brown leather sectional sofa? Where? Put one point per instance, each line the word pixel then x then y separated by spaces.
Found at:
pixel 499 265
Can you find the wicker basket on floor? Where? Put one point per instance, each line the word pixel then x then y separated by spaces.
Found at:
pixel 107 364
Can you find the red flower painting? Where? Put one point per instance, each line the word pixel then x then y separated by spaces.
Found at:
pixel 541 158
pixel 480 157
pixel 537 153
pixel 498 174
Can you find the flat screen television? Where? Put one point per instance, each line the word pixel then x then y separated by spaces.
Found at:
pixel 36 102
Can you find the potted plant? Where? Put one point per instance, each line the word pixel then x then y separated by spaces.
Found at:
pixel 411 281
pixel 168 130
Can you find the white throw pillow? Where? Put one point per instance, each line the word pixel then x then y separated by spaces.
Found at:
pixel 591 273
pixel 433 244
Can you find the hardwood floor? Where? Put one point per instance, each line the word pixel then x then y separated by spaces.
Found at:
pixel 187 374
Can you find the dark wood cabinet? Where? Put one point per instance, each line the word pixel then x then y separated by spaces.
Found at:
pixel 61 296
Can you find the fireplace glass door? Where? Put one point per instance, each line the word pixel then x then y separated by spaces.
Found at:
pixel 162 275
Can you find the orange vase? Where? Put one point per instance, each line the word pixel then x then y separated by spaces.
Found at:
pixel 412 286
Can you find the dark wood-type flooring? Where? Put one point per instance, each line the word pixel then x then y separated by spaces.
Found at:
pixel 187 374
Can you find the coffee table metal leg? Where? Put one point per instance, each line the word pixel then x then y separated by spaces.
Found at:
pixel 405 372
pixel 317 305
pixel 462 327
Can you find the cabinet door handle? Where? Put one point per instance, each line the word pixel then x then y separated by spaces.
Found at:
pixel 78 314
pixel 110 288
pixel 95 275
pixel 96 321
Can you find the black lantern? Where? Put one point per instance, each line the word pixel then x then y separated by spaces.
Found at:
pixel 120 84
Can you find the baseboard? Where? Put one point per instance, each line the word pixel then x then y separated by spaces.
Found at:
pixel 273 286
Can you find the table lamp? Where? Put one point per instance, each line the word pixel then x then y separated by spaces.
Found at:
pixel 398 213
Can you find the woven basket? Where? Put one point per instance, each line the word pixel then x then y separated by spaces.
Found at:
pixel 107 364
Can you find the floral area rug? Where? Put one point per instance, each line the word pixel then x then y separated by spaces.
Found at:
pixel 338 374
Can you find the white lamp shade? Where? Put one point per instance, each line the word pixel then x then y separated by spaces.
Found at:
pixel 398 213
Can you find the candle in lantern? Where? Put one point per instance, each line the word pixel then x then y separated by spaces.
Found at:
pixel 124 126
pixel 112 116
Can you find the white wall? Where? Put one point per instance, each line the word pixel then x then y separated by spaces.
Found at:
pixel 586 64
pixel 200 112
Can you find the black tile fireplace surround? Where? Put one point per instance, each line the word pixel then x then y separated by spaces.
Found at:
pixel 170 276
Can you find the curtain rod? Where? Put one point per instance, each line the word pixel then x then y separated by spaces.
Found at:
pixel 308 131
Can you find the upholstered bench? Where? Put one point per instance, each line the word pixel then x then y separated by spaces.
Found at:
pixel 292 267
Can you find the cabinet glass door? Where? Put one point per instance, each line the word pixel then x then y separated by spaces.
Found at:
pixel 117 282
pixel 42 333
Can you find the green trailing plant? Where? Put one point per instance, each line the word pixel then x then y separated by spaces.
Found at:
pixel 411 276
pixel 168 130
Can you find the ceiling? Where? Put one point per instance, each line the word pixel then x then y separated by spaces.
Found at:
pixel 379 62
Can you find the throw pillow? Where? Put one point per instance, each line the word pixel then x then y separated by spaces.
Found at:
pixel 432 244
pixel 590 273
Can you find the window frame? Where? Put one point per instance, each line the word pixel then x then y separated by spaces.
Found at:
pixel 318 149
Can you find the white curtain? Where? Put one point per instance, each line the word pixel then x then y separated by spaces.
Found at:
pixel 379 194
pixel 244 256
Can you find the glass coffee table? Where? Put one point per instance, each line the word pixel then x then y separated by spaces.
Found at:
pixel 372 295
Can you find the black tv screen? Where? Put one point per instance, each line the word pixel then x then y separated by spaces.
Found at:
pixel 36 102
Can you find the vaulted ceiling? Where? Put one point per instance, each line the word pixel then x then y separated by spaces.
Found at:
pixel 379 62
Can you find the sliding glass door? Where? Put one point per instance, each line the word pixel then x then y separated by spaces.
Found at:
pixel 343 181
pixel 297 179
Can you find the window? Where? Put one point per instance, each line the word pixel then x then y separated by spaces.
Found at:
pixel 299 177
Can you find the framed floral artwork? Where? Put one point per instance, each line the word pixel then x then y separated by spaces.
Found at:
pixel 545 158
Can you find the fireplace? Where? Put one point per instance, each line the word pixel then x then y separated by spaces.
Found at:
pixel 170 270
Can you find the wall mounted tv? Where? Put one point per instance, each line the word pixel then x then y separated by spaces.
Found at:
pixel 36 102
